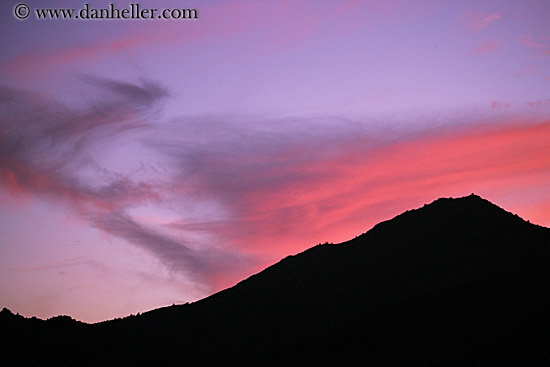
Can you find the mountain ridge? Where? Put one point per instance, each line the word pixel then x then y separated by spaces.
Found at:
pixel 452 254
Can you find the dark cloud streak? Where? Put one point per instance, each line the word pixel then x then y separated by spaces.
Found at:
pixel 45 145
pixel 204 263
pixel 145 94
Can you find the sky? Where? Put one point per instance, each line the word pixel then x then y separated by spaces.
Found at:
pixel 145 163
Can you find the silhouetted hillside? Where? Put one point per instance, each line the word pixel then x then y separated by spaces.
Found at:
pixel 458 281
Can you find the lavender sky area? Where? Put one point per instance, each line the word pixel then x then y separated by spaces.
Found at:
pixel 151 162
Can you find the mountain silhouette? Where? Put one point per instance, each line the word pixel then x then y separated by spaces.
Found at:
pixel 456 282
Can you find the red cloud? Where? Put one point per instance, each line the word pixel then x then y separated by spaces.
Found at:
pixel 293 201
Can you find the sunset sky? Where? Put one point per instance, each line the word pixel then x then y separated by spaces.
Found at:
pixel 151 162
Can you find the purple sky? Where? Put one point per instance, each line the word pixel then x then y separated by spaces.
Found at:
pixel 151 162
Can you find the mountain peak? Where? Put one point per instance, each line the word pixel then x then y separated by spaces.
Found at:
pixel 465 213
pixel 472 199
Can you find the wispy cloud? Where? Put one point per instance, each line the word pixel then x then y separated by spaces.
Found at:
pixel 539 104
pixel 142 95
pixel 488 47
pixel 285 184
pixel 63 264
pixel 47 149
pixel 529 40
pixel 479 21
pixel 45 144
pixel 244 191
pixel 204 263
pixel 497 105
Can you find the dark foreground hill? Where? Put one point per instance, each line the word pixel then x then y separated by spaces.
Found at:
pixel 456 282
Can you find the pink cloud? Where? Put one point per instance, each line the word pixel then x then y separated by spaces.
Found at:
pixel 478 21
pixel 287 199
pixel 488 47
pixel 224 20
pixel 497 105
pixel 24 65
pixel 260 189
pixel 528 40
pixel 32 64
pixel 539 104
pixel 473 161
